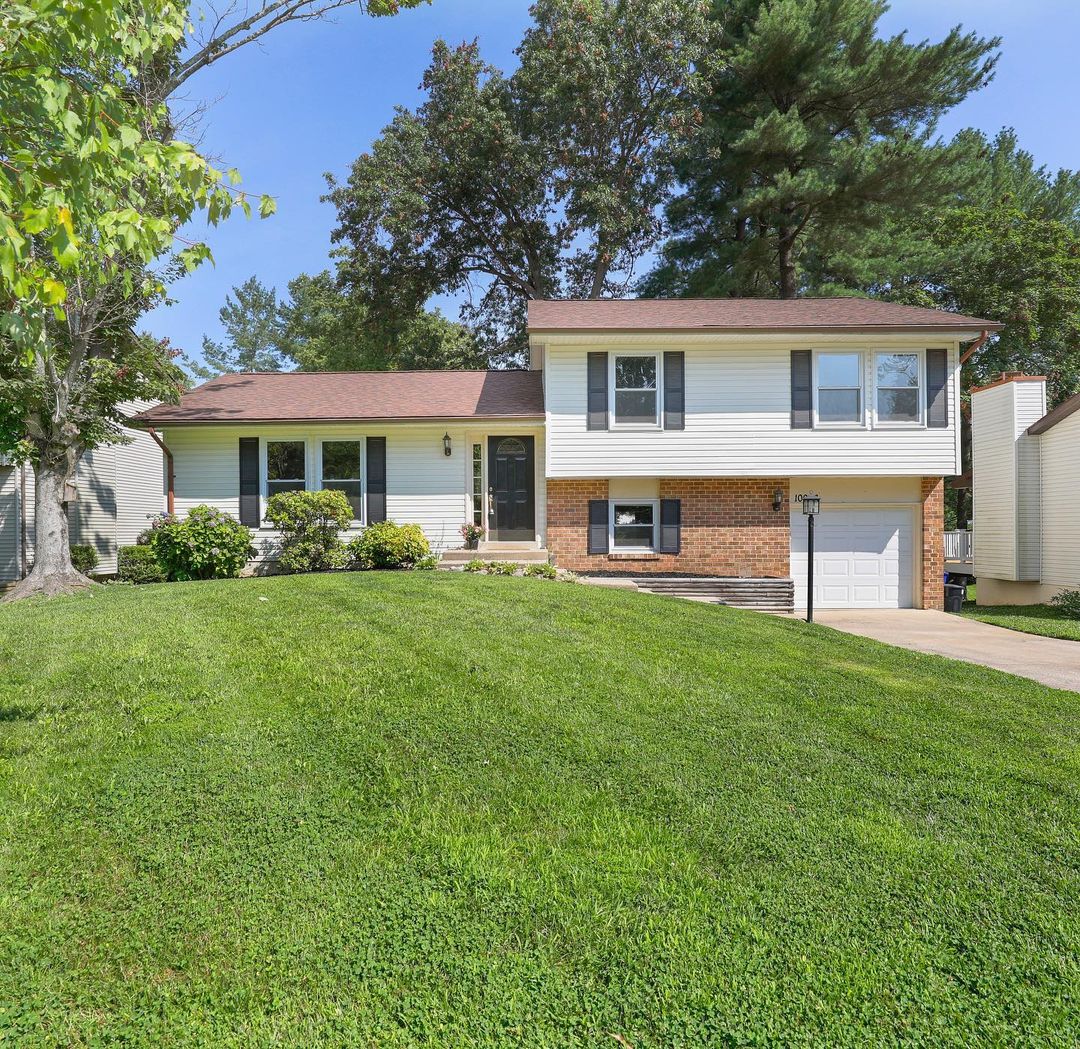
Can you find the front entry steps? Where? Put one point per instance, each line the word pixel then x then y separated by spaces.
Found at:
pixel 511 553
pixel 761 595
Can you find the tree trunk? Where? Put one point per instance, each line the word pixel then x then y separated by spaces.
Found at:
pixel 788 273
pixel 53 573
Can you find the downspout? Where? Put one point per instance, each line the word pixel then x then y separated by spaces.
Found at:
pixel 976 345
pixel 170 498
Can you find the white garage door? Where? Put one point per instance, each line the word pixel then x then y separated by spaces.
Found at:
pixel 862 558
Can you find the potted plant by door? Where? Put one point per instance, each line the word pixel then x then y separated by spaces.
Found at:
pixel 472 534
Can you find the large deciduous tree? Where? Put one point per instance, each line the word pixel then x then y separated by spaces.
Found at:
pixel 94 184
pixel 544 183
pixel 815 126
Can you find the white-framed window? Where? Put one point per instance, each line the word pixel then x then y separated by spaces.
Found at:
pixel 342 468
pixel 633 524
pixel 635 390
pixel 286 466
pixel 838 388
pixel 898 380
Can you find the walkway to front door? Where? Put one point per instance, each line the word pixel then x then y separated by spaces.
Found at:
pixel 511 489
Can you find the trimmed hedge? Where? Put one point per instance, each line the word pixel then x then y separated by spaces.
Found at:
pixel 84 558
pixel 137 564
pixel 388 545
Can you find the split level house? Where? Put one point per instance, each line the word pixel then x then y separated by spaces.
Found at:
pixel 648 438
pixel 1026 492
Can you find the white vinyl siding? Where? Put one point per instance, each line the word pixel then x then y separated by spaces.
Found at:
pixel 424 486
pixel 9 524
pixel 1061 503
pixel 738 418
pixel 1005 466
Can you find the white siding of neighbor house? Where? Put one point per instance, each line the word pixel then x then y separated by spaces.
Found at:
pixel 1006 474
pixel 1060 505
pixel 423 485
pixel 120 487
pixel 9 524
pixel 738 414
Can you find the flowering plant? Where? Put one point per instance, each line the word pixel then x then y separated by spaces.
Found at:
pixel 471 533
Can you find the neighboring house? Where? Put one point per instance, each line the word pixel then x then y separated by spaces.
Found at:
pixel 118 488
pixel 649 437
pixel 1025 469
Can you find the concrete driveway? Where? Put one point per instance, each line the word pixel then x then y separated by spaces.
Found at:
pixel 1048 660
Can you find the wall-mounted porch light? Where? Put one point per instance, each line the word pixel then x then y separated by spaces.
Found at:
pixel 778 500
pixel 446 444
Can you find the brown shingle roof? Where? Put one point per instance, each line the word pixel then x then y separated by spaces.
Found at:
pixel 844 314
pixel 355 397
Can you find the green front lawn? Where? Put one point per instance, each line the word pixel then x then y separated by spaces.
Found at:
pixel 1048 620
pixel 433 809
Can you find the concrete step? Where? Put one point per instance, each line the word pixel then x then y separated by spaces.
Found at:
pixel 761 595
pixel 529 555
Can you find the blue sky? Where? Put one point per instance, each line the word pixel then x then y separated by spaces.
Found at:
pixel 315 95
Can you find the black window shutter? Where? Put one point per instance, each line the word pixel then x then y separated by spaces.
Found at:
pixel 249 482
pixel 376 480
pixel 674 390
pixel 937 388
pixel 597 415
pixel 598 526
pixel 802 416
pixel 670 526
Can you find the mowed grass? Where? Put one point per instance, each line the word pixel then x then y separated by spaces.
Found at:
pixel 431 809
pixel 1048 620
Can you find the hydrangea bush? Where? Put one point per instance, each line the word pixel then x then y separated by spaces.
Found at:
pixel 206 544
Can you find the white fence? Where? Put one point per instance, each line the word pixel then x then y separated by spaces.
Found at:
pixel 959 546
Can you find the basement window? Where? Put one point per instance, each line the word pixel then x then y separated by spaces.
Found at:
pixel 633 526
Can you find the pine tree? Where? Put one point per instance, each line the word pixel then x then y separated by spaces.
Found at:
pixel 253 327
pixel 815 127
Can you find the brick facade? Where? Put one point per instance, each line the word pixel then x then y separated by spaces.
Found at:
pixel 729 528
pixel 933 542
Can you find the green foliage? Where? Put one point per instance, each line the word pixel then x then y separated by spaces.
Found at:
pixel 138 564
pixel 84 558
pixel 206 544
pixel 816 130
pixel 388 545
pixel 545 183
pixel 541 571
pixel 1069 603
pixel 475 565
pixel 310 524
pixel 427 564
pixel 520 815
pixel 254 330
pixel 501 568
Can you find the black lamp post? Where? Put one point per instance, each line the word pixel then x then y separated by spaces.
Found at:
pixel 811 506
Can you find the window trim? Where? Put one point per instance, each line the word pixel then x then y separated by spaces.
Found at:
pixel 264 468
pixel 851 424
pixel 658 357
pixel 900 424
pixel 626 501
pixel 357 522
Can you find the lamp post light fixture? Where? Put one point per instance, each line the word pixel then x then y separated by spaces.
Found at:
pixel 811 507
pixel 446 443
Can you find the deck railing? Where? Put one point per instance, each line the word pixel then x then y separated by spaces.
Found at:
pixel 959 545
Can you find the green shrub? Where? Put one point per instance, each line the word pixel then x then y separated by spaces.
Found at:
pixel 501 568
pixel 84 558
pixel 426 564
pixel 206 544
pixel 137 564
pixel 541 571
pixel 310 524
pixel 1069 603
pixel 475 565
pixel 388 545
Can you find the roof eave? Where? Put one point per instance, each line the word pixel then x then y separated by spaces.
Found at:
pixel 146 420
pixel 783 329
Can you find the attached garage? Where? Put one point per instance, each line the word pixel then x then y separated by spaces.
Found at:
pixel 863 557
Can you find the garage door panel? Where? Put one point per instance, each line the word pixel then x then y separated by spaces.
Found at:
pixel 862 558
